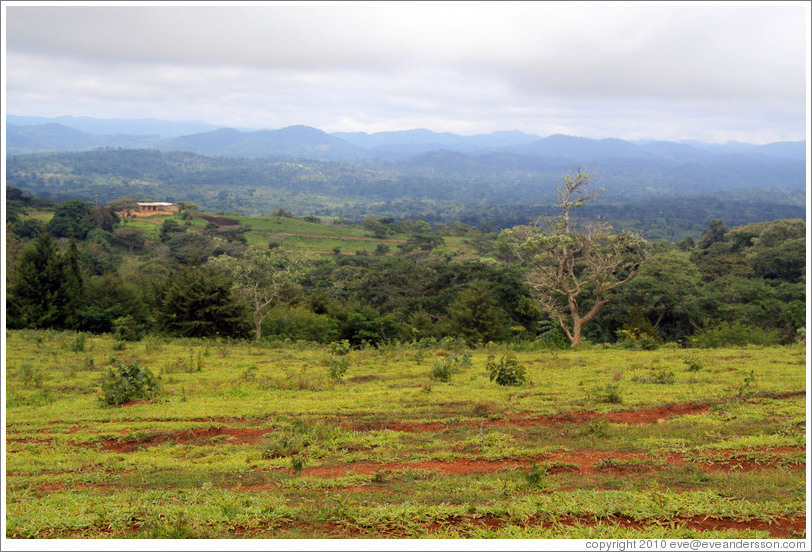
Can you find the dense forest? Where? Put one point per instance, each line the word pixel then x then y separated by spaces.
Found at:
pixel 79 266
pixel 661 200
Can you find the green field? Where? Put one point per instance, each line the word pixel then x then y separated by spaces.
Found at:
pixel 259 441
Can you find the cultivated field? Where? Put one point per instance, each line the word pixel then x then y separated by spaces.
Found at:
pixel 260 441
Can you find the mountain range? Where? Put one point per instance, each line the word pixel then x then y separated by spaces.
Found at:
pixel 35 135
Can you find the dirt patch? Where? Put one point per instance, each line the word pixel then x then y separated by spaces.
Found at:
pixel 455 467
pixel 198 436
pixel 363 379
pixel 777 528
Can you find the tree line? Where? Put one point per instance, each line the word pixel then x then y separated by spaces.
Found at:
pixel 561 281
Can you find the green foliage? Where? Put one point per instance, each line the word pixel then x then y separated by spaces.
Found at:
pixel 505 372
pixel 126 382
pixel 636 340
pixel 443 370
pixel 71 220
pixel 610 393
pixel 48 287
pixel 198 302
pixel 338 367
pixel 694 364
pixel 745 390
pixel 735 333
pixel 340 348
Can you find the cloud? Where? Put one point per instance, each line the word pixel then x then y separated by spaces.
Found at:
pixel 463 66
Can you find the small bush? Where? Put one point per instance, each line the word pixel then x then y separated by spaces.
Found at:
pixel 507 371
pixel 338 367
pixel 125 328
pixel 127 382
pixel 694 364
pixel 78 345
pixel 637 340
pixel 442 370
pixel 609 394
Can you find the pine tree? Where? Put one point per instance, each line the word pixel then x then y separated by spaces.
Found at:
pixel 48 289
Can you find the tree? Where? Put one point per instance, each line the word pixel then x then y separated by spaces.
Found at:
pixel 102 217
pixel 475 315
pixel 262 277
pixel 48 286
pixel 198 302
pixel 665 291
pixel 572 272
pixel 132 238
pixel 71 220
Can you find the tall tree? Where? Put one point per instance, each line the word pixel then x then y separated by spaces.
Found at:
pixel 573 268
pixel 198 302
pixel 262 277
pixel 48 286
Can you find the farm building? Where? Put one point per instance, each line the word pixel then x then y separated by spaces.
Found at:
pixel 146 209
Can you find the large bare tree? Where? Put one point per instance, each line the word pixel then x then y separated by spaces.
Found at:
pixel 573 267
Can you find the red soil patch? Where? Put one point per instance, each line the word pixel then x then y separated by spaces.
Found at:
pixel 456 467
pixel 192 436
pixel 777 528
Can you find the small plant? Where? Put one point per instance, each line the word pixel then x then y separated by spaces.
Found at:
pixel 663 377
pixel 78 345
pixel 442 370
pixel 127 382
pixel 30 376
pixel 125 328
pixel 694 364
pixel 536 477
pixel 507 371
pixel 340 348
pixel 338 367
pixel 609 394
pixel 745 391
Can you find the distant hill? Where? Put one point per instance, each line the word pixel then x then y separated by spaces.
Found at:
pixel 295 141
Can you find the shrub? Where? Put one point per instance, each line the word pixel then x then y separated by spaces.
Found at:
pixel 734 334
pixel 442 370
pixel 694 364
pixel 127 382
pixel 338 367
pixel 637 340
pixel 609 394
pixel 507 371
pixel 126 328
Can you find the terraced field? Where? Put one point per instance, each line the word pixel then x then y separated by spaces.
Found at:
pixel 259 441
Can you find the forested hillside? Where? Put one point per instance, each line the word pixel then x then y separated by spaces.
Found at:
pixel 76 265
pixel 662 199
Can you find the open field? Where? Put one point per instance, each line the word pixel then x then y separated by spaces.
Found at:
pixel 259 441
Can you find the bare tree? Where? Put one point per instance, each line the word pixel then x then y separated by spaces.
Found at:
pixel 572 271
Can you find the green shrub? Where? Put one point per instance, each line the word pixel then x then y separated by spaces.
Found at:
pixel 338 367
pixel 127 382
pixel 507 371
pixel 442 370
pixel 694 364
pixel 125 328
pixel 609 394
pixel 637 340
pixel 734 334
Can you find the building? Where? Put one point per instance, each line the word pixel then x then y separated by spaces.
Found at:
pixel 146 209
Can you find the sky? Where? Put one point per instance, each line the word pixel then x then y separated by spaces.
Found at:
pixel 669 71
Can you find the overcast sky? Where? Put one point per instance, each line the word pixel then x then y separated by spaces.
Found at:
pixel 726 71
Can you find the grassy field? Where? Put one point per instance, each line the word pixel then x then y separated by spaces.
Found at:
pixel 260 441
